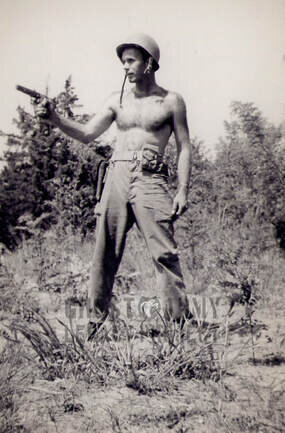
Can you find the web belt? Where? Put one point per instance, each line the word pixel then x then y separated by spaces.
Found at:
pixel 127 155
pixel 133 155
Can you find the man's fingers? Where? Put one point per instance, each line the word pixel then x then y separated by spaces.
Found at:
pixel 174 207
pixel 180 205
pixel 43 109
pixel 184 207
pixel 180 208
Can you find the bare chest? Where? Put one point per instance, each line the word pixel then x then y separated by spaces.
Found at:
pixel 149 114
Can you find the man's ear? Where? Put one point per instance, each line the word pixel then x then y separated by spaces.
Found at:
pixel 149 66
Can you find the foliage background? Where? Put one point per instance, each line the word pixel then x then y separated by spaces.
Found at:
pixel 202 379
pixel 49 181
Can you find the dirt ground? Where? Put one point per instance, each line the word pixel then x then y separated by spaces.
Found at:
pixel 249 398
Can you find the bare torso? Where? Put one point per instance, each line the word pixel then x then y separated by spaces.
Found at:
pixel 143 120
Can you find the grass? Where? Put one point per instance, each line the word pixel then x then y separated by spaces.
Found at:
pixel 225 378
pixel 14 377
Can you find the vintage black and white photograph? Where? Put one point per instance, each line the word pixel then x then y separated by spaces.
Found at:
pixel 142 216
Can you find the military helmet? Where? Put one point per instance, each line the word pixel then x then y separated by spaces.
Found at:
pixel 140 40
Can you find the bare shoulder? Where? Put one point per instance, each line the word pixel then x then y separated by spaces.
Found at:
pixel 176 102
pixel 112 102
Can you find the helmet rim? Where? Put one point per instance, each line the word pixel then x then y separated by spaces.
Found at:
pixel 143 42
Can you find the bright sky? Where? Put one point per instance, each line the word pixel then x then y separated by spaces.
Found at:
pixel 212 52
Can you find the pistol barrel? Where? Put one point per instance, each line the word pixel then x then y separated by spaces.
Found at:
pixel 29 92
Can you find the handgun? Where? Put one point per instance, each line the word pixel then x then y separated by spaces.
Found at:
pixel 33 93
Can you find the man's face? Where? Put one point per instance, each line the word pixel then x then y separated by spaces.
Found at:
pixel 134 64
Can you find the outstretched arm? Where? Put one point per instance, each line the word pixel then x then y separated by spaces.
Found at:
pixel 82 132
pixel 184 155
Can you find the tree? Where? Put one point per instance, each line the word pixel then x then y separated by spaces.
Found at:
pixel 250 171
pixel 48 174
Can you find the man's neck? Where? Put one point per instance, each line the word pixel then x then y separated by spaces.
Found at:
pixel 145 87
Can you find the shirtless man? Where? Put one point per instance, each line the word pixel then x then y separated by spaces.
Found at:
pixel 136 189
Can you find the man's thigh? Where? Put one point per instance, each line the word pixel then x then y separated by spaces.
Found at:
pixel 151 193
pixel 152 207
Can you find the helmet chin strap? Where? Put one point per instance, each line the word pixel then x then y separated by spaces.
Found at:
pixel 149 66
pixel 122 90
pixel 147 71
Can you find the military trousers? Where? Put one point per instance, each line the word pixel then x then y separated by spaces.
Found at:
pixel 135 196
